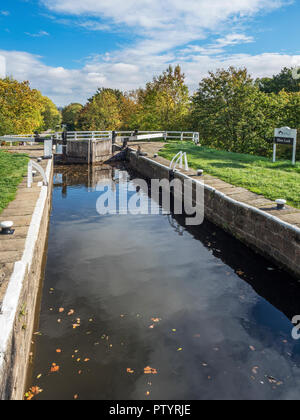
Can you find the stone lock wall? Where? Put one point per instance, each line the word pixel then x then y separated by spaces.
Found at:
pixel 273 238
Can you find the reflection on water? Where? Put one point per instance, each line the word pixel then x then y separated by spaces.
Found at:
pixel 210 316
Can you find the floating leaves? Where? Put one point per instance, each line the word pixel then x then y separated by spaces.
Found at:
pixel 58 350
pixel 128 370
pixel 33 391
pixel 71 312
pixel 156 320
pixel 54 368
pixel 150 371
pixel 61 310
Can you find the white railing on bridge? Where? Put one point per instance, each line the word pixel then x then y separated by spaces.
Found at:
pixel 89 135
pixel 131 135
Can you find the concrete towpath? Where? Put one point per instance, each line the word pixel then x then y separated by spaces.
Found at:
pixel 20 212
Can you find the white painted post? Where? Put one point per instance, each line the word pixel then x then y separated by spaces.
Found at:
pixel 181 136
pixel 186 165
pixel 274 152
pixel 29 175
pixel 294 151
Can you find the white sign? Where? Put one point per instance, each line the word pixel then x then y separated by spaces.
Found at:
pixel 287 136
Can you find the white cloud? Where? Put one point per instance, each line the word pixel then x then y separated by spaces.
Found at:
pixel 168 32
pixel 2 66
pixel 38 34
pixel 4 13
pixel 65 85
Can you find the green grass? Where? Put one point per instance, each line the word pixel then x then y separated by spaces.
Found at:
pixel 257 174
pixel 12 169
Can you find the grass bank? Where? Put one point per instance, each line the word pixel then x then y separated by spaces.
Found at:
pixel 257 174
pixel 12 169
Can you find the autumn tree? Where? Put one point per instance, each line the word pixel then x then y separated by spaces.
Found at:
pixel 70 115
pixel 20 107
pixel 50 114
pixel 164 103
pixel 102 112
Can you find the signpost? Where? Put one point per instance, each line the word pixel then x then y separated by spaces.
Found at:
pixel 287 136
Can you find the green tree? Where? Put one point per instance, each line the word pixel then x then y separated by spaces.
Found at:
pixel 70 115
pixel 282 81
pixel 164 103
pixel 102 112
pixel 231 113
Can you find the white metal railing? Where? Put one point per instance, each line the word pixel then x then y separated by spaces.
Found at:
pixel 180 135
pixel 31 165
pixel 132 135
pixel 178 159
pixel 88 135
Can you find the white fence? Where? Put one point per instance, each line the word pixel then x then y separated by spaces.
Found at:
pixel 133 135
pixel 89 135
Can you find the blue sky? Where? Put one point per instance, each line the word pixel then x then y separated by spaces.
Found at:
pixel 69 48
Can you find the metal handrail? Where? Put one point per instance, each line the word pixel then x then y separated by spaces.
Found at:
pixel 31 165
pixel 178 158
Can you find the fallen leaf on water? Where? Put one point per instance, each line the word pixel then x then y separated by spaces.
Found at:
pixel 180 349
pixel 150 371
pixel 86 360
pixel 151 327
pixel 91 320
pixel 272 380
pixel 59 321
pixel 61 310
pixel 58 350
pixel 54 368
pixel 79 372
pixel 252 348
pixel 147 393
pixel 37 333
pixel 255 370
pixel 156 320
pixel 75 326
pixel 129 370
pixel 174 330
pixel 71 312
pixel 78 360
pixel 39 376
pixel 34 390
pixel 76 397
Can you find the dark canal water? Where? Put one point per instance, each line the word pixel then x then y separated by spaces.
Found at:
pixel 208 316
